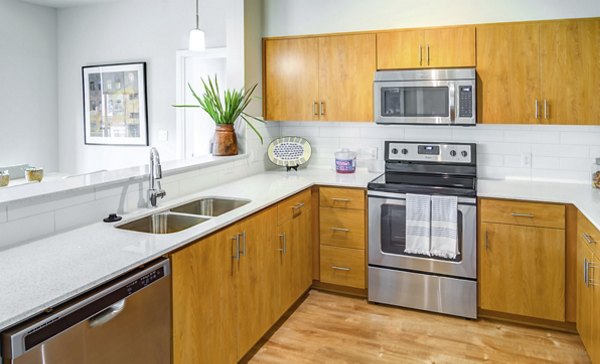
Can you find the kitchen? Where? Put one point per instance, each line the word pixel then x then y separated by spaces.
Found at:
pixel 308 265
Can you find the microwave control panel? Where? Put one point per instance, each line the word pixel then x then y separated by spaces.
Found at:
pixel 465 101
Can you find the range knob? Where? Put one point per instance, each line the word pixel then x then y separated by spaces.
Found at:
pixel 453 153
pixel 404 151
pixel 394 151
pixel 464 153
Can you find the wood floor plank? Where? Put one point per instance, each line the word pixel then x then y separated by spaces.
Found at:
pixel 338 329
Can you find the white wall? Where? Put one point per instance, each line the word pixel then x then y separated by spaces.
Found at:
pixel 563 153
pixel 126 31
pixel 293 17
pixel 28 94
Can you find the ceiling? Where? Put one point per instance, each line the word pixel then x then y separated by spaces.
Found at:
pixel 66 3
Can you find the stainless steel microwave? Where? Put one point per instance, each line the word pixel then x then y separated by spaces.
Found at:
pixel 426 97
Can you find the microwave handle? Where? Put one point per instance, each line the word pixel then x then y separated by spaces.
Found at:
pixel 452 102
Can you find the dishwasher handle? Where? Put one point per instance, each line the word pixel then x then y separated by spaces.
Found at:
pixel 107 315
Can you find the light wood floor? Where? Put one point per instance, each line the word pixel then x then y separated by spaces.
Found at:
pixel 329 328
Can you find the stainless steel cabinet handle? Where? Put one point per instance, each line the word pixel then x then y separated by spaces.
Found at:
pixel 588 239
pixel 236 254
pixel 283 239
pixel 585 271
pixel 340 268
pixel 322 108
pixel 243 235
pixel 344 230
pixel 337 199
pixel 518 214
pixel 315 108
pixel 428 55
pixel 298 205
pixel 107 314
pixel 536 109
pixel 545 109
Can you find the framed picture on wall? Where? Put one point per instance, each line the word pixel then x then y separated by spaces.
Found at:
pixel 115 107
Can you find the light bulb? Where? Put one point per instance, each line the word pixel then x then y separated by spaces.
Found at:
pixel 197 40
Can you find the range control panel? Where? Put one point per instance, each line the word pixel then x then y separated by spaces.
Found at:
pixel 430 152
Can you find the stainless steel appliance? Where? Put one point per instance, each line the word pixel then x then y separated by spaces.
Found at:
pixel 419 281
pixel 435 96
pixel 125 321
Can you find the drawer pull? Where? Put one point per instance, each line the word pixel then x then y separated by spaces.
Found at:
pixel 298 205
pixel 344 269
pixel 337 199
pixel 517 214
pixel 343 230
pixel 588 239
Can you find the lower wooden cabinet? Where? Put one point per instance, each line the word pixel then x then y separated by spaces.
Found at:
pixel 342 266
pixel 231 287
pixel 588 289
pixel 522 259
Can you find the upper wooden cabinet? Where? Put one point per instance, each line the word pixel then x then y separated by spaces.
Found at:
pixel 322 78
pixel 426 48
pixel 539 73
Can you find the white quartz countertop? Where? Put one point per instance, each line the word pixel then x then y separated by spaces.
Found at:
pixel 50 271
pixel 47 272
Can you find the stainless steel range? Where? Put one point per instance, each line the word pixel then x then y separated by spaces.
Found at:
pixel 421 280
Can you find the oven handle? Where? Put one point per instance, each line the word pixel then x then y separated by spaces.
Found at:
pixel 402 196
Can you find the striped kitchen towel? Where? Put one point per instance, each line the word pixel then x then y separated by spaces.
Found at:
pixel 418 224
pixel 444 228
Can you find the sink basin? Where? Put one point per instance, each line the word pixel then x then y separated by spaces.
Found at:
pixel 163 223
pixel 211 206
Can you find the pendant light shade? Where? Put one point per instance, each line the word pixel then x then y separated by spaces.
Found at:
pixel 197 36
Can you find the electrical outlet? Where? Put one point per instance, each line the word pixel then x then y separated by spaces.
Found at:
pixel 525 159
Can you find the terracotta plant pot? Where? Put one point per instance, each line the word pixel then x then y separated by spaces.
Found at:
pixel 225 142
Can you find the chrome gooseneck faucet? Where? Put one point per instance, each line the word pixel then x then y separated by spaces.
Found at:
pixel 155 192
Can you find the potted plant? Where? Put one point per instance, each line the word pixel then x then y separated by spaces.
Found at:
pixel 225 112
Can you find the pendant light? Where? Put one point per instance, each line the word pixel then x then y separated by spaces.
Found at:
pixel 197 37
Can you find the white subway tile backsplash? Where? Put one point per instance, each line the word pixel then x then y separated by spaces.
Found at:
pixel 2 214
pixel 21 209
pixel 492 160
pixel 433 134
pixel 513 161
pixel 310 130
pixel 556 150
pixel 503 148
pixel 514 136
pixel 587 138
pixel 576 164
pixel 503 172
pixel 335 131
pixel 29 228
pixel 388 132
pixel 470 135
pixel 539 162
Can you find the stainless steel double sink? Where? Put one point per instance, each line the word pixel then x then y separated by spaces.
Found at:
pixel 184 216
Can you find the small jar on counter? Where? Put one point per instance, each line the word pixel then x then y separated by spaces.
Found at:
pixel 596 174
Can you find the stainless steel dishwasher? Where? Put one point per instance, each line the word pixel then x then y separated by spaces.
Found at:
pixel 127 320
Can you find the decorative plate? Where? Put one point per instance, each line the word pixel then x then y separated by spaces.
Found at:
pixel 289 152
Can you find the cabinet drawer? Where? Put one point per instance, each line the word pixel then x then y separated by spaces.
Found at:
pixel 342 198
pixel 342 228
pixel 587 233
pixel 344 267
pixel 293 206
pixel 523 213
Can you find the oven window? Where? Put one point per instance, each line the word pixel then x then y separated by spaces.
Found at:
pixel 414 101
pixel 393 232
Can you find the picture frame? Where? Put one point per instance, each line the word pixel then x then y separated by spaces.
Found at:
pixel 115 106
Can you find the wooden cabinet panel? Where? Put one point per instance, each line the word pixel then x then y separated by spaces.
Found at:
pixel 522 270
pixel 291 79
pixel 344 267
pixel 400 49
pixel 342 198
pixel 449 47
pixel 204 301
pixel 587 233
pixel 570 68
pixel 585 299
pixel 595 347
pixel 347 65
pixel 523 213
pixel 257 290
pixel 290 207
pixel 342 228
pixel 508 73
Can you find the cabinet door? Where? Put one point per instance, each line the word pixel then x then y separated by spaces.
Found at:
pixel 291 79
pixel 204 301
pixel 400 49
pixel 584 297
pixel 508 74
pixel 449 47
pixel 522 270
pixel 570 64
pixel 257 303
pixel 346 68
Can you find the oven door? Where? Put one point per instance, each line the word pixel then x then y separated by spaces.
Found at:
pixel 387 238
pixel 425 102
